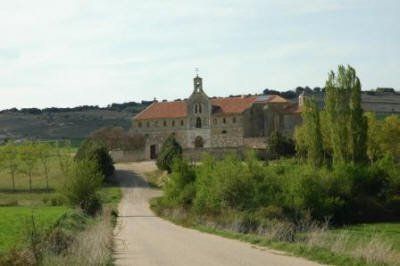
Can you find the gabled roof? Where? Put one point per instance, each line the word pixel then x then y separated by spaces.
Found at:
pixel 159 110
pixel 232 105
pixel 227 105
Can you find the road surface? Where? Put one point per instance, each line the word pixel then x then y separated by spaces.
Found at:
pixel 143 239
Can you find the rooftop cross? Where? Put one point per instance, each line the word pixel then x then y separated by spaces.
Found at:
pixel 197 71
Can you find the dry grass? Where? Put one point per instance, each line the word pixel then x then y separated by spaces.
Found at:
pixel 90 247
pixel 374 251
pixel 370 250
pixel 377 251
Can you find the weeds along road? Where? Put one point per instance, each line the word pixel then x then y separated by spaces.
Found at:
pixel 143 239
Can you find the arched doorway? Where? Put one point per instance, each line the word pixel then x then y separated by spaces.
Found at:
pixel 198 142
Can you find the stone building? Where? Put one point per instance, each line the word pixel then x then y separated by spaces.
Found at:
pixel 201 122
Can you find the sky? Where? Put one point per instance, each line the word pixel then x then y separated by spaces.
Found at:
pixel 70 53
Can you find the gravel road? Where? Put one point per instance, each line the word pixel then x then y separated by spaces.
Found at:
pixel 143 239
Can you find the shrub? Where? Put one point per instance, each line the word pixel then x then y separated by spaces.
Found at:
pixel 170 151
pixel 97 152
pixel 278 146
pixel 180 186
pixel 81 186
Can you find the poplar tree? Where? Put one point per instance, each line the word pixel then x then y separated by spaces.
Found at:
pixel 358 122
pixel 315 150
pixel 337 105
pixel 346 121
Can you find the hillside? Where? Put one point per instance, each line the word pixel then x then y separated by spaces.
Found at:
pixel 65 123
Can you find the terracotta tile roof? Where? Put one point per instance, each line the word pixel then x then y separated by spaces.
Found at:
pixel 232 105
pixel 159 110
pixel 228 105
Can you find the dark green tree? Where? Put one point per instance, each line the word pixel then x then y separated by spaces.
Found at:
pixel 358 122
pixel 278 145
pixel 170 151
pixel 96 151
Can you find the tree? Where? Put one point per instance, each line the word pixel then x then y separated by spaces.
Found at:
pixel 374 137
pixel 390 139
pixel 345 119
pixel 96 151
pixel 44 152
pixel 9 160
pixel 314 145
pixel 170 151
pixel 278 145
pixel 358 121
pixel 81 185
pixel 29 158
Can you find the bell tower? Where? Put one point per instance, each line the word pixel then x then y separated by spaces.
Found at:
pixel 198 84
pixel 199 112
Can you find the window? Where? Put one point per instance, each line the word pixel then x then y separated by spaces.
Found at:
pixel 156 123
pixel 148 124
pixel 224 132
pixel 215 121
pixel 234 120
pixel 165 123
pixel 197 108
pixel 198 122
pixel 173 123
pixel 182 123
pixel 224 120
pixel 140 124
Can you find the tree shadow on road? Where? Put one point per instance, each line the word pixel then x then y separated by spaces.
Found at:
pixel 127 178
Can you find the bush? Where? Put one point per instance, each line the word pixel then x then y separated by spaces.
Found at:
pixel 170 151
pixel 280 146
pixel 180 186
pixel 96 151
pixel 81 186
pixel 287 190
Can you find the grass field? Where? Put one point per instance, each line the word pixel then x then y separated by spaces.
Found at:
pixel 16 221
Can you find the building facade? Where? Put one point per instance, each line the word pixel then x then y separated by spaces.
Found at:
pixel 201 122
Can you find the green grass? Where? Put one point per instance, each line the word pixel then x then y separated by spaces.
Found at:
pixel 110 195
pixel 156 178
pixel 16 221
pixel 389 232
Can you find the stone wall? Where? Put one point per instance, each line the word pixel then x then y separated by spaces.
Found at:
pixel 196 154
pixel 255 143
pixel 227 131
pixel 120 156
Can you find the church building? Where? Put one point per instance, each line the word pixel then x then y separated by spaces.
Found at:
pixel 202 123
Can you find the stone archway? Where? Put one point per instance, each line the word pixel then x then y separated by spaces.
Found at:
pixel 198 142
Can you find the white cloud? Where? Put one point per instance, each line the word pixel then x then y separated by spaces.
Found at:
pixel 63 53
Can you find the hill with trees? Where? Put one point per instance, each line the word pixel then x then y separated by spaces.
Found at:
pixel 65 123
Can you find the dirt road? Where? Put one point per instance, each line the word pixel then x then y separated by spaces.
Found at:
pixel 143 239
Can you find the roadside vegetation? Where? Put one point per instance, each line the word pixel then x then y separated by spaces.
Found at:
pixel 57 208
pixel 335 198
